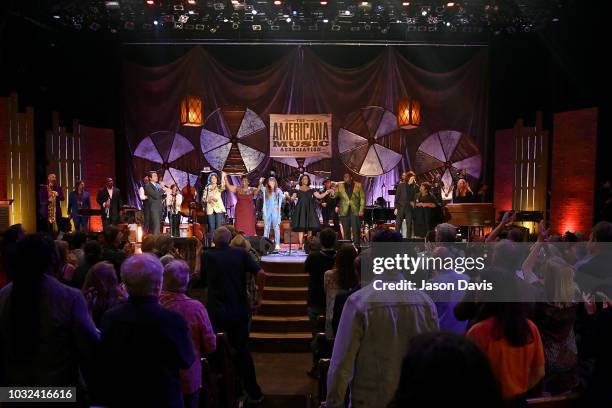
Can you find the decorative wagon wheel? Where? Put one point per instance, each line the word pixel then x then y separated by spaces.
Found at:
pixel 360 137
pixel 162 150
pixel 316 168
pixel 444 153
pixel 234 140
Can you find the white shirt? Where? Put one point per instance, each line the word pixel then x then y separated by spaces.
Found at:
pixel 177 203
pixel 141 194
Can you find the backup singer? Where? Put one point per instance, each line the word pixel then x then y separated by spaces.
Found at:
pixel 351 203
pixel 328 206
pixel 145 203
pixel 244 217
pixel 50 195
pixel 272 203
pixel 305 217
pixel 424 208
pixel 463 193
pixel 155 196
pixel 174 199
pixel 405 195
pixel 109 199
pixel 78 200
pixel 211 197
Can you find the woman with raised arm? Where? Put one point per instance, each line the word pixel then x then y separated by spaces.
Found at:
pixel 305 217
pixel 273 201
pixel 211 198
pixel 244 217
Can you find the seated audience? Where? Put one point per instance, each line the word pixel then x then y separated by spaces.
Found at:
pixel 149 244
pixel 224 274
pixel 511 342
pixel 446 370
pixel 173 297
pixel 111 252
pixel 64 271
pixel 46 334
pixel 342 297
pixel 77 253
pixel 92 255
pixel 446 300
pixel 144 345
pixel 102 290
pixel 594 275
pixel 338 280
pixel 372 340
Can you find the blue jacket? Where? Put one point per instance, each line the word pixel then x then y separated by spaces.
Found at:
pixel 73 203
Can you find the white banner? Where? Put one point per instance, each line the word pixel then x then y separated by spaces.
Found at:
pixel 300 135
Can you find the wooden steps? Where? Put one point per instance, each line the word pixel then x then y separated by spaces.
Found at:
pixel 282 323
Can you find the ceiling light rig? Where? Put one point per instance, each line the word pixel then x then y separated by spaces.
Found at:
pixel 363 19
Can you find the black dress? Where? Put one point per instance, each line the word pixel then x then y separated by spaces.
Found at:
pixel 305 212
pixel 423 215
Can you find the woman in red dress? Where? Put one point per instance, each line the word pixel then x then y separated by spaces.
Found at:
pixel 244 216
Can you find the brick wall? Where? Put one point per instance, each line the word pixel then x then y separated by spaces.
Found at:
pixel 98 160
pixel 574 154
pixel 503 169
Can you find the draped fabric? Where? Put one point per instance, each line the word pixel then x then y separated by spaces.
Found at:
pixel 300 81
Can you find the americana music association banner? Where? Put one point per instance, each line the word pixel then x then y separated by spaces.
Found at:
pixel 300 135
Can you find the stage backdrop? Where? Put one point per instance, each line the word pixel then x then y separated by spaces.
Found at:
pixel 301 82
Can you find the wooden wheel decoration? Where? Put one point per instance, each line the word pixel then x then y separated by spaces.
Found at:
pixel 444 153
pixel 161 151
pixel 359 141
pixel 234 140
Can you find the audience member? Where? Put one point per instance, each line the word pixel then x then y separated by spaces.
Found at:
pixel 594 275
pixel 372 340
pixel 79 239
pixel 224 274
pixel 64 271
pixel 446 370
pixel 252 293
pixel 338 280
pixel 8 246
pixel 111 251
pixel 46 334
pixel 342 297
pixel 149 244
pixel 92 255
pixel 102 290
pixel 173 297
pixel 144 345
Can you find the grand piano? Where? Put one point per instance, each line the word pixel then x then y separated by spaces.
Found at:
pixel 470 214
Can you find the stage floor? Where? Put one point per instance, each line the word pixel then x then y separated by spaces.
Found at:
pixel 283 255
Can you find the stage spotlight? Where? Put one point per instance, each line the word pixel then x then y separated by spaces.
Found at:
pixel 235 26
pixel 335 27
pixel 56 17
pixel 423 12
pixel 325 20
pixel 155 22
pixel 288 19
pixel 192 2
pixel 225 20
pixel 191 12
pixel 448 24
pixel 256 27
pixel 254 12
pixel 323 3
pixel 294 12
pixel 150 2
pixel 405 3
pixel 364 4
pixel 277 2
pixel 112 4
pixel 450 4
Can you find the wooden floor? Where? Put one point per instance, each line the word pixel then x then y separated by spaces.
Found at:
pixel 284 374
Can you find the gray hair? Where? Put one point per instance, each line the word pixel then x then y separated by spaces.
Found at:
pixel 222 237
pixel 176 276
pixel 166 259
pixel 142 275
pixel 446 232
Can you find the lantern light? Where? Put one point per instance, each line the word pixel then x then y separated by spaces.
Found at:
pixel 408 113
pixel 191 111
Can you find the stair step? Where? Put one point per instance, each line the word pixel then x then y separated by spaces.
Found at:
pixel 287 279
pixel 281 342
pixel 280 324
pixel 283 308
pixel 285 293
pixel 283 267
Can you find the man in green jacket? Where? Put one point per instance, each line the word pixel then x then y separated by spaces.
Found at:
pixel 351 203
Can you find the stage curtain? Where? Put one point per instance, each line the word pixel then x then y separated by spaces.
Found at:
pixel 301 81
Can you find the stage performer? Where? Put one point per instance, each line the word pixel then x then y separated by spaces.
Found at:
pixel 305 219
pixel 145 203
pixel 174 199
pixel 272 204
pixel 463 193
pixel 328 206
pixel 351 203
pixel 78 200
pixel 50 195
pixel 109 199
pixel 405 195
pixel 211 198
pixel 244 217
pixel 425 204
pixel 156 195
